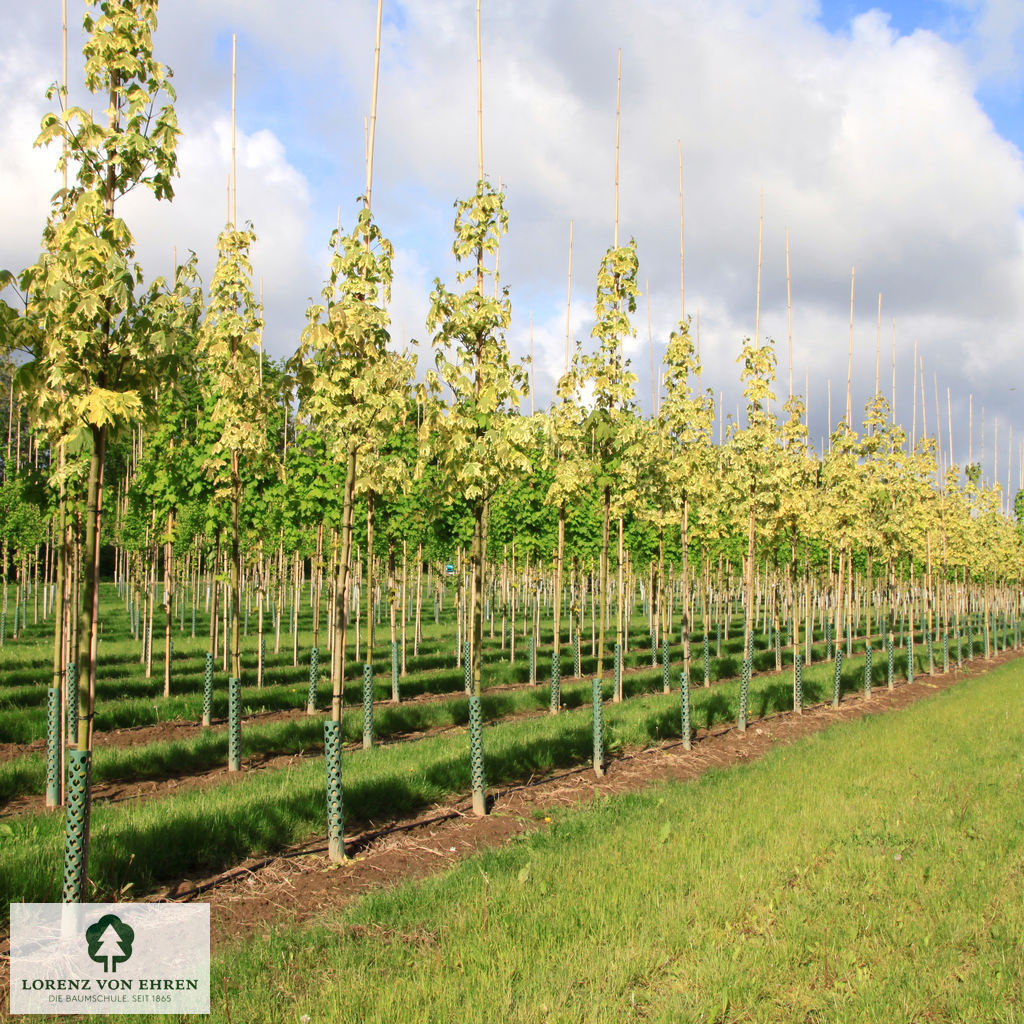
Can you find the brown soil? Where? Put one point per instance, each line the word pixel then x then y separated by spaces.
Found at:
pixel 301 883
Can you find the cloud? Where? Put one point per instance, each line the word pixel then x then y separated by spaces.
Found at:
pixel 871 147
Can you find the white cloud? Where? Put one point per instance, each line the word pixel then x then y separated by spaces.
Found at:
pixel 871 148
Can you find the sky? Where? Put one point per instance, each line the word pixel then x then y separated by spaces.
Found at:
pixel 887 143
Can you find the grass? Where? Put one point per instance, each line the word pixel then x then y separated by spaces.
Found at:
pixel 190 833
pixel 874 872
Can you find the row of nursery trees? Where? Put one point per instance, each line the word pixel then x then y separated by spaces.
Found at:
pixel 154 422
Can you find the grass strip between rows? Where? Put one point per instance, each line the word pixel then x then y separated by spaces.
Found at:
pixel 201 831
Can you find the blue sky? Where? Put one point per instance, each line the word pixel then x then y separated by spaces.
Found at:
pixel 1001 94
pixel 887 139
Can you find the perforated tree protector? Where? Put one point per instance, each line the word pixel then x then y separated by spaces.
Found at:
pixel 595 698
pixel 234 725
pixel 367 706
pixel 76 825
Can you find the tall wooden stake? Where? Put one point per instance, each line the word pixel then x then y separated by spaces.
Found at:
pixel 757 299
pixel 682 247
pixel 532 378
pixel 849 359
pixel 789 314
pixel 568 303
pixel 234 165
pixel 878 344
pixel 949 423
pixel 618 113
pixel 650 349
pixel 373 106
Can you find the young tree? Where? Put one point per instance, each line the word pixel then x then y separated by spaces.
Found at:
pixel 614 398
pixel 356 392
pixel 229 347
pixel 478 439
pixel 686 419
pixel 98 345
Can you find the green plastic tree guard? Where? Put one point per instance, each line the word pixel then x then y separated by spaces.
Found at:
pixel 741 720
pixel 476 755
pixel 395 694
pixel 867 670
pixel 208 689
pixel 891 658
pixel 910 656
pixel 533 660
pixel 798 684
pixel 707 659
pixel 76 825
pixel 467 669
pixel 666 682
pixel 71 696
pixel 314 678
pixel 556 685
pixel 367 707
pixel 837 677
pixel 53 746
pixel 335 817
pixel 684 706
pixel 234 725
pixel 598 727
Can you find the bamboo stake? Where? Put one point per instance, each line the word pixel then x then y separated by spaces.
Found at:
pixel 532 379
pixel 789 315
pixel 949 423
pixel 1009 465
pixel 618 118
pixel 479 99
pixel 568 303
pixel 650 349
pixel 700 367
pixel 878 343
pixel 682 248
pixel 373 107
pixel 970 430
pixel 892 409
pixel 828 385
pixel 757 301
pixel 924 407
pixel 234 166
pixel 64 82
pixel 913 429
pixel 849 359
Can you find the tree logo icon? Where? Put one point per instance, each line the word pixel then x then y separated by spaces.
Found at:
pixel 110 942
